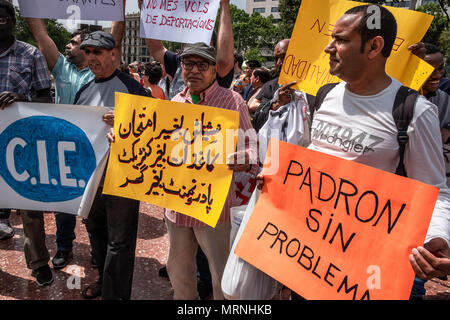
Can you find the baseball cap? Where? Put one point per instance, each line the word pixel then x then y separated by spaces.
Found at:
pixel 100 39
pixel 200 49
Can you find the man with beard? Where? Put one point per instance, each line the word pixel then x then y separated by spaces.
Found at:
pixel 70 72
pixel 363 105
pixel 24 77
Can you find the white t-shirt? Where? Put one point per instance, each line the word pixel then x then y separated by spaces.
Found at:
pixel 362 129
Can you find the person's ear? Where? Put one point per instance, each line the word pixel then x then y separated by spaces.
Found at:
pixel 376 46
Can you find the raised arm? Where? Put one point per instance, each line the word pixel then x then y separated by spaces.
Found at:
pixel 157 49
pixel 225 40
pixel 45 44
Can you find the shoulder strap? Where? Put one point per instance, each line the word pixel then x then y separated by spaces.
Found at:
pixel 320 96
pixel 403 111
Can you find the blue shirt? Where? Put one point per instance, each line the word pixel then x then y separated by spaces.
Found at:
pixel 23 70
pixel 68 80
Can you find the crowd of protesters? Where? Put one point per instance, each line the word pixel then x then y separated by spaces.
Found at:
pixel 212 74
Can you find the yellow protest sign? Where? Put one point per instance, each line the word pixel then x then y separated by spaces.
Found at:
pixel 308 64
pixel 172 155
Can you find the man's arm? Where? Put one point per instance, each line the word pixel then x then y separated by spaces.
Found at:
pixel 117 31
pixel 225 41
pixel 45 44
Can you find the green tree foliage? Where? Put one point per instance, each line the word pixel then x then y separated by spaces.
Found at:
pixel 56 31
pixel 288 10
pixel 440 22
pixel 252 32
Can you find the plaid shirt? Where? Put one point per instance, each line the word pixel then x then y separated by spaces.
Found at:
pixel 23 70
pixel 217 96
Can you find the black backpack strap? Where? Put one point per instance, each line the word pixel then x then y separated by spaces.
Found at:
pixel 403 111
pixel 320 96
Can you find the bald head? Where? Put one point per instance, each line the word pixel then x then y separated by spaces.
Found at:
pixel 279 53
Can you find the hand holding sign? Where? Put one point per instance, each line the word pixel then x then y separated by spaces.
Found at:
pixel 171 154
pixel 432 260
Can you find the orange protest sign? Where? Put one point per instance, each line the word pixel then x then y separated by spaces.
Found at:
pixel 330 228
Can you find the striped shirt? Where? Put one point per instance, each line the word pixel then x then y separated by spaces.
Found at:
pixel 217 96
pixel 23 70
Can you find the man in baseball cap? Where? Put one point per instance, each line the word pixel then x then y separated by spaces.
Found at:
pixel 98 47
pixel 198 63
pixel 112 221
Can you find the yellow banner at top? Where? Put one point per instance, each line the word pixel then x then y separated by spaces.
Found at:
pixel 308 64
pixel 172 155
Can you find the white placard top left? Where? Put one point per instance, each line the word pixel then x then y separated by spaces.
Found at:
pixel 103 10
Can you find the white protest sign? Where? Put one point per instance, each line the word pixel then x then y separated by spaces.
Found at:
pixel 51 156
pixel 104 10
pixel 186 21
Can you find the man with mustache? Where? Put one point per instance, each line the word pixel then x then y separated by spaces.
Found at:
pixel 361 106
pixel 363 103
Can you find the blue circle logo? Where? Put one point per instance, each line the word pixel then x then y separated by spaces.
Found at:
pixel 46 159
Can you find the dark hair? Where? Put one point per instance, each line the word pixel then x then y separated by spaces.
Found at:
pixel 154 71
pixel 239 59
pixel 387 30
pixel 8 7
pixel 81 33
pixel 431 48
pixel 262 74
pixel 253 64
pixel 124 67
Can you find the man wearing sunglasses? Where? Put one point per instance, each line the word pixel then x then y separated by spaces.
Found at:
pixel 198 63
pixel 24 77
pixel 112 221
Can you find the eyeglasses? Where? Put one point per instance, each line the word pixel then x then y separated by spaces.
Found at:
pixel 4 20
pixel 201 65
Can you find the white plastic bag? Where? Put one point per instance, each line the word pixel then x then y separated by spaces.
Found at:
pixel 241 280
pixel 236 216
pixel 290 123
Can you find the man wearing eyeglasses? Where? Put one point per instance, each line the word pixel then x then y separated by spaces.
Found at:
pixel 23 77
pixel 112 221
pixel 198 62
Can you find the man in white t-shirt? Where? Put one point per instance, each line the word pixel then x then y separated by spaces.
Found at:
pixel 355 119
